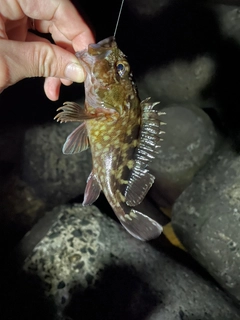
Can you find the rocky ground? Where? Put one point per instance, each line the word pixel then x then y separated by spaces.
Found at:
pixel 63 261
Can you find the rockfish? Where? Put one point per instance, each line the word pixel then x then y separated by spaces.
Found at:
pixel 123 133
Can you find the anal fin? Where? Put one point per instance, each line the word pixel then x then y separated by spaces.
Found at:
pixel 77 141
pixel 141 226
pixel 92 190
pixel 138 186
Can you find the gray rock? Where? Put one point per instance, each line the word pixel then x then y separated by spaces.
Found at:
pixel 178 82
pixel 90 268
pixel 189 142
pixel 55 177
pixel 19 206
pixel 229 18
pixel 179 57
pixel 190 45
pixel 206 219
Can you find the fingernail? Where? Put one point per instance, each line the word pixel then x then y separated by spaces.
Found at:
pixel 74 72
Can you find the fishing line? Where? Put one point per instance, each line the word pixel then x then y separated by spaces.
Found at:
pixel 119 14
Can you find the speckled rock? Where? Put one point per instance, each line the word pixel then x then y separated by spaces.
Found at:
pixel 55 177
pixel 87 267
pixel 189 142
pixel 206 218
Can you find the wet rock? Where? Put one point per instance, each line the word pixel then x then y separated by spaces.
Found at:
pixel 87 266
pixel 206 218
pixel 189 142
pixel 55 177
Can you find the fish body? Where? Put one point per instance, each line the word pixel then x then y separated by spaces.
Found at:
pixel 123 133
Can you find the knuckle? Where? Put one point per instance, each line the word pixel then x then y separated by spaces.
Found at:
pixel 46 60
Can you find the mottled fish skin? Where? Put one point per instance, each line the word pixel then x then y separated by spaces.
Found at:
pixel 123 133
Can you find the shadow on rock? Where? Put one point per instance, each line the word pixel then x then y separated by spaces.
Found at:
pixel 119 294
pixel 23 297
pixel 224 89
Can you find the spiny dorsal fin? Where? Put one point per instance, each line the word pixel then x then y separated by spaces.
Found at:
pixel 77 141
pixel 141 226
pixel 150 138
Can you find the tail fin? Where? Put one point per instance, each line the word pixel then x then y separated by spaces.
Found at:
pixel 141 226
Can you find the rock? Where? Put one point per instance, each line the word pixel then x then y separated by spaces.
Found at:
pixel 229 19
pixel 206 219
pixel 178 82
pixel 223 88
pixel 19 207
pixel 55 177
pixel 192 55
pixel 177 62
pixel 88 267
pixel 189 142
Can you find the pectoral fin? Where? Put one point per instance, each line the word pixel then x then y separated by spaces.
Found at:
pixel 77 141
pixel 92 190
pixel 141 226
pixel 71 111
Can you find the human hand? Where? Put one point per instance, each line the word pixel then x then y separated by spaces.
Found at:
pixel 24 54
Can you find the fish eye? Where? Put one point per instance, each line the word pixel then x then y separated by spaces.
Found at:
pixel 120 69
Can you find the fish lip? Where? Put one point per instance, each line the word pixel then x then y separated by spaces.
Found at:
pixel 97 51
pixel 80 54
pixel 87 57
pixel 105 43
pixel 108 42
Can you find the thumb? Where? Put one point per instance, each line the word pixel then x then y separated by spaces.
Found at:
pixel 19 60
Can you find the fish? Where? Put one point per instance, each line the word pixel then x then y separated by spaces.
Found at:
pixel 122 131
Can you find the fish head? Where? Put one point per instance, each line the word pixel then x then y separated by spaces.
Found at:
pixel 108 82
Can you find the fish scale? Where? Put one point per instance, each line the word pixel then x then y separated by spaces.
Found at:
pixel 100 157
pixel 124 135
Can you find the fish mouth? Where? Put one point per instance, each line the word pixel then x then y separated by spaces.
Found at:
pixel 97 51
pixel 109 42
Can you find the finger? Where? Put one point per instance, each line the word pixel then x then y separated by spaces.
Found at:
pixel 52 87
pixel 3 34
pixel 18 29
pixel 33 37
pixel 61 19
pixel 66 82
pixel 19 60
